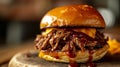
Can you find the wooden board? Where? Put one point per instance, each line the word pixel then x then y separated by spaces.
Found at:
pixel 33 59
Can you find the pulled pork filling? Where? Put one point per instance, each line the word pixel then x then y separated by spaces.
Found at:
pixel 67 39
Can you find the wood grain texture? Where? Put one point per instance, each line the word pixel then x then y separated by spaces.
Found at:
pixel 7 53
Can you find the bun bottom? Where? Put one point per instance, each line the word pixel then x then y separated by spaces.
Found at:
pixel 81 57
pixel 31 59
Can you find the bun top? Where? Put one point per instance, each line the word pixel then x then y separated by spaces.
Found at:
pixel 73 16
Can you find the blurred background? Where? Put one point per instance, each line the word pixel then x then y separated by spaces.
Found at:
pixel 19 19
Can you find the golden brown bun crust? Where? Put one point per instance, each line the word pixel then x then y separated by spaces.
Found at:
pixel 73 15
pixel 81 57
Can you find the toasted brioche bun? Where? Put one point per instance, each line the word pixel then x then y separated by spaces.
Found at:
pixel 81 57
pixel 73 16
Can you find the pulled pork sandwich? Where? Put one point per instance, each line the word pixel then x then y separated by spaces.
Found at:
pixel 72 33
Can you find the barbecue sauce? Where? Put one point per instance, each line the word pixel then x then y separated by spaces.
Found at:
pixel 54 54
pixel 70 52
pixel 73 64
pixel 89 62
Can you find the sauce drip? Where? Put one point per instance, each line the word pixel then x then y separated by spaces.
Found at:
pixel 90 63
pixel 73 64
pixel 55 54
pixel 70 52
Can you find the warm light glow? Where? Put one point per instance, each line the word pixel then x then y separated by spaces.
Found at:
pixel 48 19
pixel 114 46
